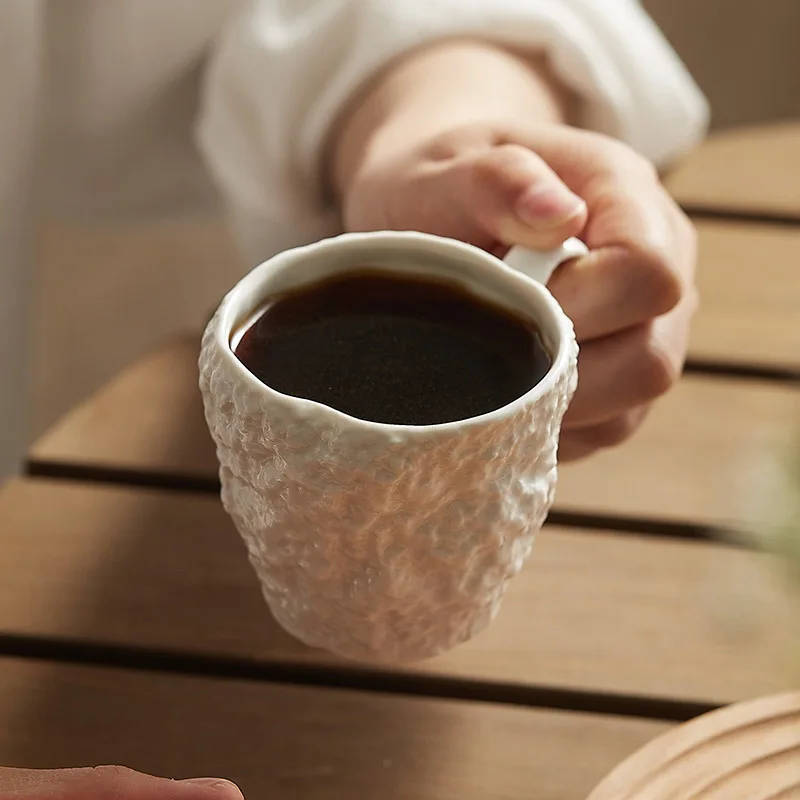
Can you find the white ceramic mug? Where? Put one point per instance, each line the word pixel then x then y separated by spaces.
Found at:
pixel 387 542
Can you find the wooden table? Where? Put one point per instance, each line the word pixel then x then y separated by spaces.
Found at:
pixel 132 629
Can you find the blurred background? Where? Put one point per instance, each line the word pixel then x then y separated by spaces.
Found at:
pixel 153 274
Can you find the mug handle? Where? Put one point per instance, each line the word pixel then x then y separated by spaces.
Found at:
pixel 539 265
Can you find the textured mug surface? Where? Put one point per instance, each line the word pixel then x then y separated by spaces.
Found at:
pixel 384 542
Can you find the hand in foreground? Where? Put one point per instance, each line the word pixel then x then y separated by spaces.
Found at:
pixel 631 298
pixel 107 783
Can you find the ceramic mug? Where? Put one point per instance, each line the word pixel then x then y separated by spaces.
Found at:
pixel 387 542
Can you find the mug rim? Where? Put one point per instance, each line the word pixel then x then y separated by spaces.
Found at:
pixel 228 317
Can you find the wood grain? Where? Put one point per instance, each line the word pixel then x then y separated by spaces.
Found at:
pixel 749 751
pixel 592 611
pixel 749 283
pixel 690 463
pixel 148 419
pixel 698 457
pixel 285 742
pixel 743 170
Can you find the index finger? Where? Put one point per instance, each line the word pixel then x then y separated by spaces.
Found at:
pixel 642 247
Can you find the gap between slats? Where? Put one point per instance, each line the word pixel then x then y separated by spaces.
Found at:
pixel 564 517
pixel 352 678
pixel 702 212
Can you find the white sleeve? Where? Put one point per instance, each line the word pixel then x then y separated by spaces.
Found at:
pixel 285 68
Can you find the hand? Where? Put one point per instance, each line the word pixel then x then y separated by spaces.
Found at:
pixel 631 298
pixel 104 783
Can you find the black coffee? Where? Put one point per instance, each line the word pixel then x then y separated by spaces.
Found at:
pixel 391 349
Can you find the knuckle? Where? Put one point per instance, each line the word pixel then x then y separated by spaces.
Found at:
pixel 667 259
pixel 661 287
pixel 483 169
pixel 635 164
pixel 464 139
pixel 643 166
pixel 687 229
pixel 683 227
pixel 499 161
pixel 620 158
pixel 656 369
pixel 111 775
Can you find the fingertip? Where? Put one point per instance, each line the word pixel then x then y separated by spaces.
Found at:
pixel 216 788
pixel 512 231
pixel 519 200
pixel 548 215
pixel 551 206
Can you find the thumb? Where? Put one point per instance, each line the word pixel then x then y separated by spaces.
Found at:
pixel 101 782
pixel 516 198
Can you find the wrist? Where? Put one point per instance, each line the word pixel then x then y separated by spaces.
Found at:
pixel 449 86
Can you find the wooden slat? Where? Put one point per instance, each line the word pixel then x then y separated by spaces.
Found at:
pixel 742 752
pixel 687 464
pixel 749 281
pixel 693 460
pixel 148 419
pixel 284 742
pixel 745 170
pixel 592 611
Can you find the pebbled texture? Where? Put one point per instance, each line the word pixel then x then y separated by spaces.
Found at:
pixel 379 544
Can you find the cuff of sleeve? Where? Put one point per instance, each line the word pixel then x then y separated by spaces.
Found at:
pixel 631 83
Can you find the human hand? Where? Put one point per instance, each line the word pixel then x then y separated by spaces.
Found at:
pixel 105 783
pixel 631 298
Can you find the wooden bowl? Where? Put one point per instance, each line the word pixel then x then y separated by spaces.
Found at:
pixel 747 751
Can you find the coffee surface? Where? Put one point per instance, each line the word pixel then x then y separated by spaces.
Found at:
pixel 393 349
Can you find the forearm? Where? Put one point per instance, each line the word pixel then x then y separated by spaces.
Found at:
pixel 452 84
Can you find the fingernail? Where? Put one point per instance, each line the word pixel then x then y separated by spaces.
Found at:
pixel 546 207
pixel 231 789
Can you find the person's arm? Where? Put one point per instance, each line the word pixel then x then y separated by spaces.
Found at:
pixel 497 165
pixel 416 122
pixel 284 73
pixel 438 88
